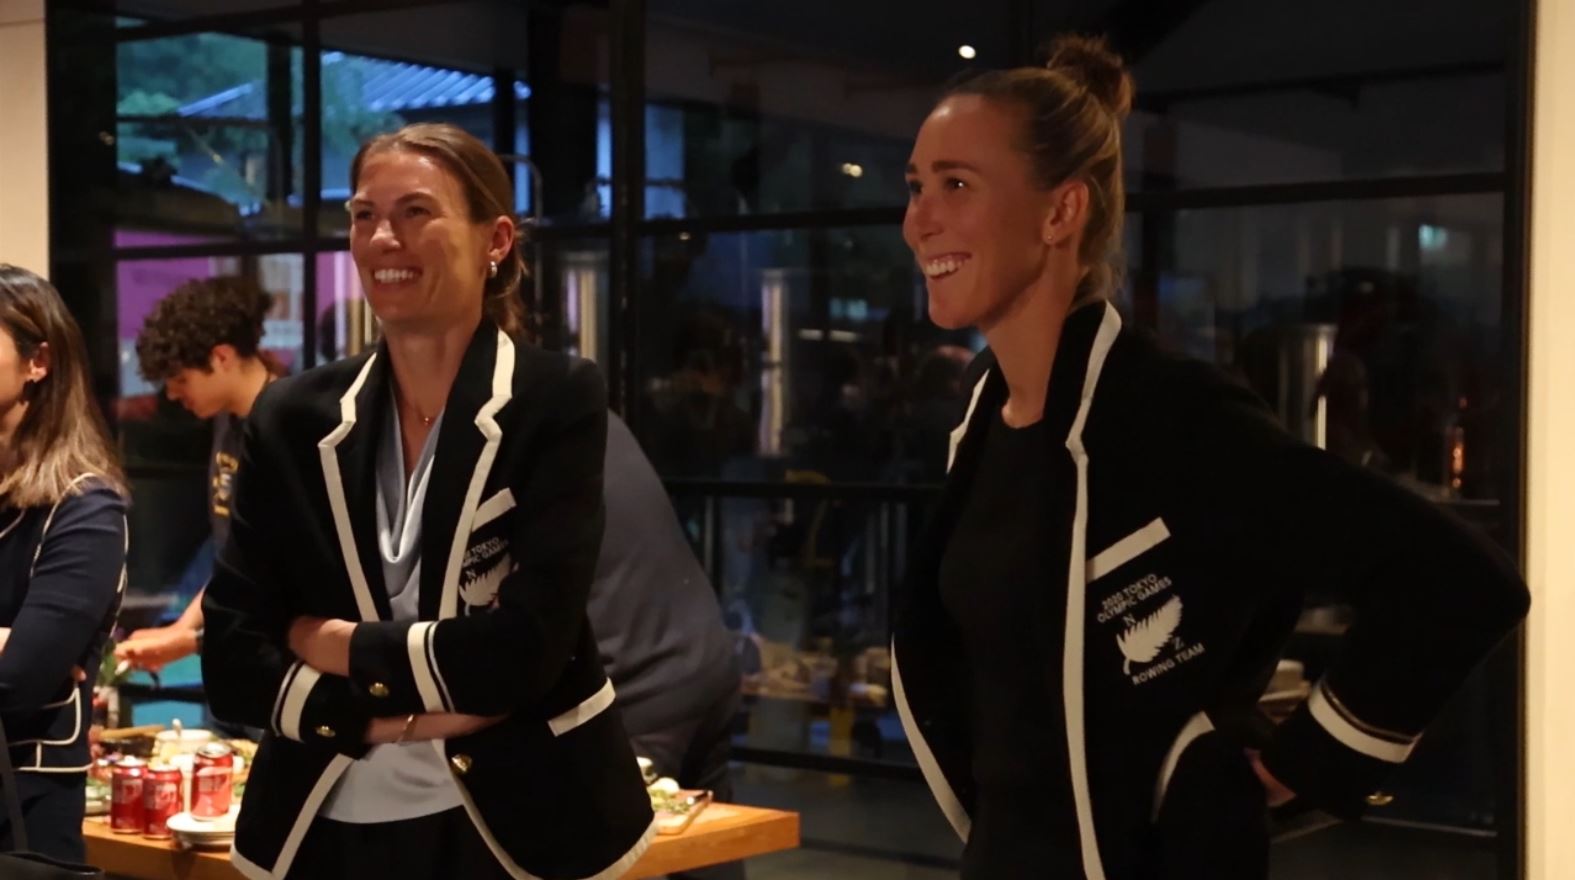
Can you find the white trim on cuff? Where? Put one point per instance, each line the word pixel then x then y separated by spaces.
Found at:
pixel 1348 734
pixel 296 689
pixel 592 706
pixel 423 667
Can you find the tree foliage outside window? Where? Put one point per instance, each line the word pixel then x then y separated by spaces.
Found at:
pixel 157 78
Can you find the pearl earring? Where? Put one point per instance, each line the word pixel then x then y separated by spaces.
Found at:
pixel 492 271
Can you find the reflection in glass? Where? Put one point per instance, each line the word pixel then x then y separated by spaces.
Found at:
pixel 203 134
pixel 140 284
pixel 583 276
pixel 831 321
pixel 768 108
pixel 165 448
pixel 1374 329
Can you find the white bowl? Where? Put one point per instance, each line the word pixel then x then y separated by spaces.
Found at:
pixel 186 742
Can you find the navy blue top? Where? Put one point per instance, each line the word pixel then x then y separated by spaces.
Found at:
pixel 62 568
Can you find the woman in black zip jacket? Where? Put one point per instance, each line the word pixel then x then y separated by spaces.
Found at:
pixel 62 559
pixel 1125 538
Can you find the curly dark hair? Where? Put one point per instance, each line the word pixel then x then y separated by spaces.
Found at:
pixel 198 315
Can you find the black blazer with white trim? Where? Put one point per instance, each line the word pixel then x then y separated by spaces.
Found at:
pixel 62 575
pixel 510 530
pixel 1198 526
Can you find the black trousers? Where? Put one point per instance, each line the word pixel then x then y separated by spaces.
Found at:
pixel 695 753
pixel 53 805
pixel 434 847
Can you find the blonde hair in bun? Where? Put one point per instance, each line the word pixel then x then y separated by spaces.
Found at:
pixel 1072 108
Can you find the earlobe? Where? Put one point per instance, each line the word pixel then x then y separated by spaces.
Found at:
pixel 38 367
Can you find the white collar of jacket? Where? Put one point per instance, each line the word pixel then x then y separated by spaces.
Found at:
pixel 468 438
pixel 1086 340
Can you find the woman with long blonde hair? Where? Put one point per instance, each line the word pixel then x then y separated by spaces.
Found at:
pixel 62 559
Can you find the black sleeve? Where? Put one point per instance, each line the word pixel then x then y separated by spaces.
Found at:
pixel 249 673
pixel 76 581
pixel 1431 596
pixel 511 656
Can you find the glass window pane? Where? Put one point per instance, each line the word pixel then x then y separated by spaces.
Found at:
pixel 204 136
pixel 1234 93
pixel 418 64
pixel 1385 129
pixel 345 323
pixel 1375 329
pixel 1398 304
pixel 165 448
pixel 806 351
pixel 761 108
pixel 570 283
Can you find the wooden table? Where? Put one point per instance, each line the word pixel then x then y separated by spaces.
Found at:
pixel 722 833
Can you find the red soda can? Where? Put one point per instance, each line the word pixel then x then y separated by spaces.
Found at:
pixel 125 796
pixel 212 781
pixel 161 799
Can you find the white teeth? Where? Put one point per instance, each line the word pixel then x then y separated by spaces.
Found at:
pixel 944 266
pixel 393 276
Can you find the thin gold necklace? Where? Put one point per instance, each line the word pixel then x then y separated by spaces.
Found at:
pixel 425 420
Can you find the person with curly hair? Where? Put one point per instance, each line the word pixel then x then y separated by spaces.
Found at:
pixel 202 342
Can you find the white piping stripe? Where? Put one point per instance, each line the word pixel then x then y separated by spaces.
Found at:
pixel 592 706
pixel 7 530
pixel 416 648
pixel 327 452
pixel 278 700
pixel 494 507
pixel 1072 660
pixel 295 701
pixel 962 429
pixel 49 521
pixel 76 731
pixel 1195 727
pixel 502 391
pixel 950 806
pixel 617 869
pixel 437 675
pixel 1353 737
pixel 66 702
pixel 248 868
pixel 41 769
pixel 303 820
pixel 1128 549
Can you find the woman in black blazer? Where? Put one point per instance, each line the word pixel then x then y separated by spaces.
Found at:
pixel 62 558
pixel 1125 538
pixel 401 604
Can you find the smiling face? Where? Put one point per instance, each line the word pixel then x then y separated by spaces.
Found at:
pixel 977 218
pixel 423 261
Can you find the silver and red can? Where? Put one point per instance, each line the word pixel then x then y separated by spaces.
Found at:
pixel 125 796
pixel 212 780
pixel 161 799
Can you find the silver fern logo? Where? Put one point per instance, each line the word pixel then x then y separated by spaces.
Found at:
pixel 480 590
pixel 1142 641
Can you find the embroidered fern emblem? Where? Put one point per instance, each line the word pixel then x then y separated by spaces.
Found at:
pixel 1143 640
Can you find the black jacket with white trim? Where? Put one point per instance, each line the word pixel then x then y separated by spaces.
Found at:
pixel 1198 524
pixel 510 530
pixel 64 573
